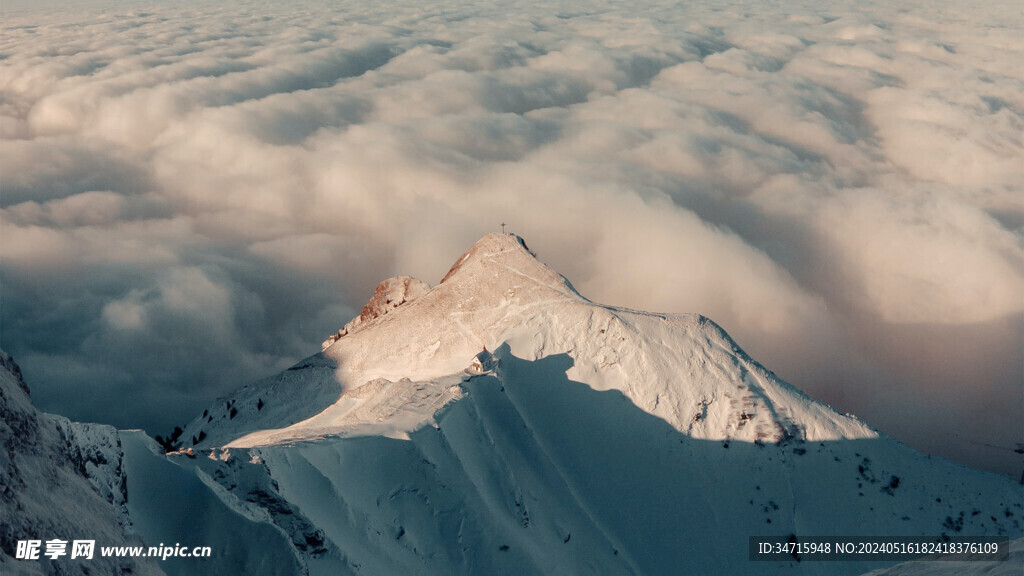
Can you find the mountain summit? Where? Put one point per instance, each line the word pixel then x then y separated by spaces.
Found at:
pixel 682 368
pixel 502 423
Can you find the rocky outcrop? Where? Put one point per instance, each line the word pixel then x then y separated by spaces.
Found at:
pixel 390 294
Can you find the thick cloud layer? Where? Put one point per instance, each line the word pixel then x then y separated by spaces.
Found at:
pixel 195 194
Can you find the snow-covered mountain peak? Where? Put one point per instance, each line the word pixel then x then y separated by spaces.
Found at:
pixel 501 423
pixel 396 364
pixel 494 287
pixel 498 258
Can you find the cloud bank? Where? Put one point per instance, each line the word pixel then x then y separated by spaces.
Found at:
pixel 194 195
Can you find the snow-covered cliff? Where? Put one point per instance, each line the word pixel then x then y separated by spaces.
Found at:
pixel 59 480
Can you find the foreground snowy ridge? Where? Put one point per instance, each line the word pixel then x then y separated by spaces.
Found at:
pixel 501 423
pixel 59 480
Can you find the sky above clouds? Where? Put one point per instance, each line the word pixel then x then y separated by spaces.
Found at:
pixel 194 195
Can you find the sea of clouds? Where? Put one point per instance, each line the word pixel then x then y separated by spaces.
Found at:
pixel 195 194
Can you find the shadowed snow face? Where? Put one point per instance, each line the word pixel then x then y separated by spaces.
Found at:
pixel 194 195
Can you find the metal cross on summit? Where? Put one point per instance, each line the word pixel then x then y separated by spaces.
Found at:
pixel 502 227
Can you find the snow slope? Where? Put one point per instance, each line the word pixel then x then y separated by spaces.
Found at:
pixel 170 504
pixel 59 480
pixel 532 472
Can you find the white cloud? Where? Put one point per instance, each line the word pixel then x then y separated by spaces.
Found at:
pixel 128 313
pixel 926 259
pixel 231 180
